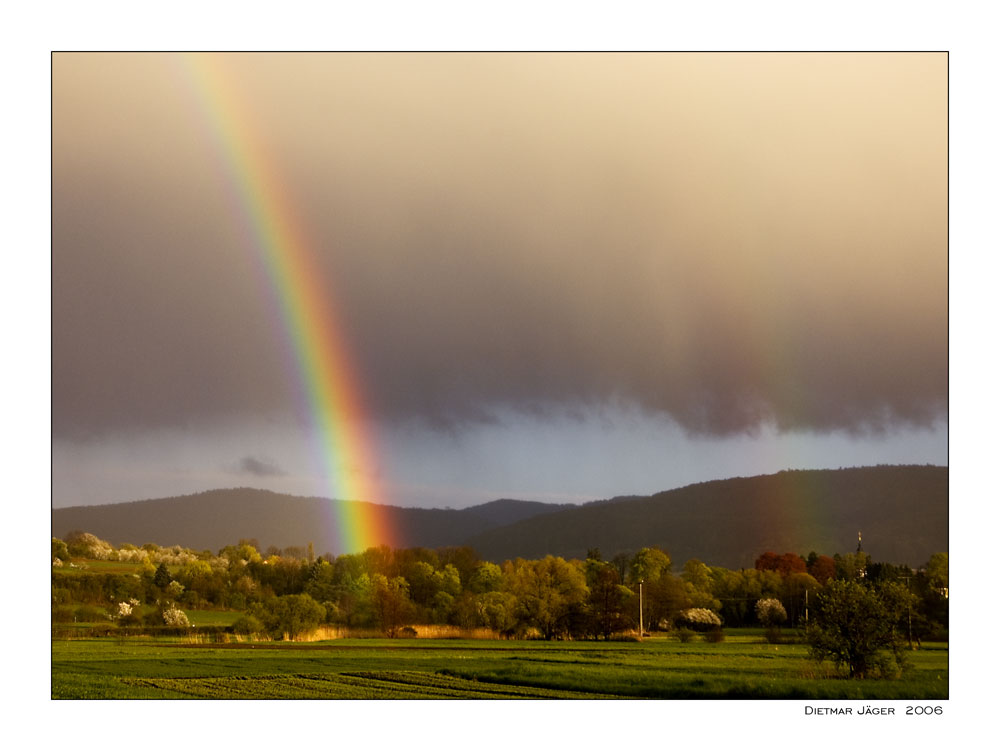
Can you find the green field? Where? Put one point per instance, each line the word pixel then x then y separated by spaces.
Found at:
pixel 81 566
pixel 213 617
pixel 742 667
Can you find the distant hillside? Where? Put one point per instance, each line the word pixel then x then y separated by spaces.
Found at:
pixel 508 511
pixel 901 511
pixel 216 518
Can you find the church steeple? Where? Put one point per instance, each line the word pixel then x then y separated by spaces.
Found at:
pixel 861 557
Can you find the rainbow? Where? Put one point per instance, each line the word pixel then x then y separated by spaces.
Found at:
pixel 329 384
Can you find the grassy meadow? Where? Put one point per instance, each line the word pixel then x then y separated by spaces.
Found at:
pixel 744 666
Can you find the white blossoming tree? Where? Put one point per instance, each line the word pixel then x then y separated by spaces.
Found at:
pixel 699 619
pixel 86 545
pixel 176 618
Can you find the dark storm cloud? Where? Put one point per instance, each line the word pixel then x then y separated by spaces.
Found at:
pixel 726 239
pixel 252 465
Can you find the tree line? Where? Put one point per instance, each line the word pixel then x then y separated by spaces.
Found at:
pixel 390 589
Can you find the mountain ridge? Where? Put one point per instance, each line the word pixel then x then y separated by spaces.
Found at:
pixel 215 518
pixel 902 509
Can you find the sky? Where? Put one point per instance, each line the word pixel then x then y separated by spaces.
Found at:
pixel 557 277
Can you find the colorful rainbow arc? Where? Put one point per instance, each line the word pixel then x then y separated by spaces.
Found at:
pixel 322 356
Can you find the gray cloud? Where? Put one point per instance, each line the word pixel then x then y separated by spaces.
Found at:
pixel 729 240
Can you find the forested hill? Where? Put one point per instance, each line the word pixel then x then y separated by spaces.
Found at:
pixel 902 512
pixel 216 518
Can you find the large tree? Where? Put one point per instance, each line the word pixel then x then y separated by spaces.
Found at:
pixel 857 627
pixel 700 585
pixel 648 565
pixel 289 615
pixel 391 603
pixel 822 568
pixel 606 600
pixel 550 593
pixel 789 563
pixel 663 599
pixel 937 571
pixel 162 578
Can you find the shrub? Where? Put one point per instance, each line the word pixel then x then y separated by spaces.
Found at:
pixel 936 632
pixel 132 619
pixel 90 614
pixel 407 632
pixel 685 635
pixel 770 612
pixel 247 625
pixel 175 589
pixel 715 636
pixel 59 550
pixel 63 614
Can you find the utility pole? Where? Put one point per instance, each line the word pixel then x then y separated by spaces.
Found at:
pixel 909 622
pixel 640 609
